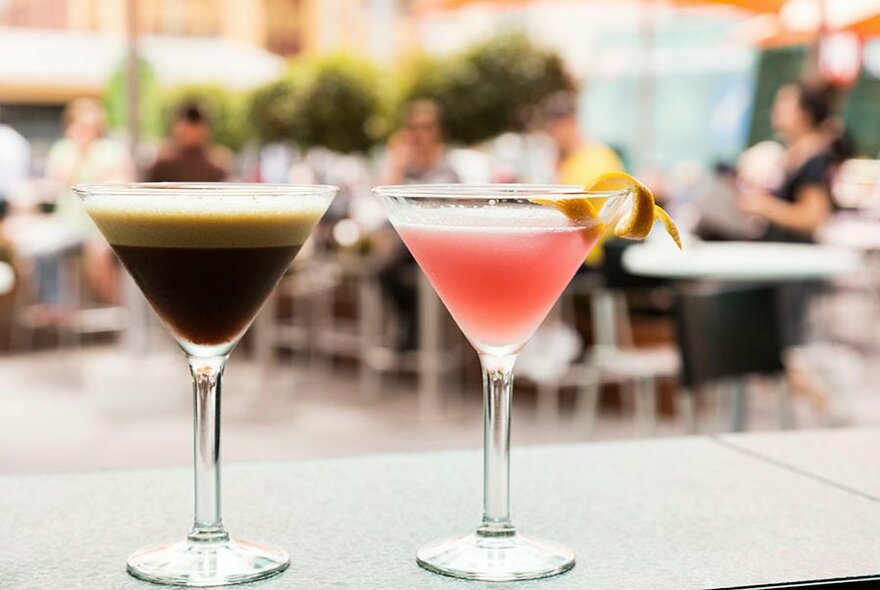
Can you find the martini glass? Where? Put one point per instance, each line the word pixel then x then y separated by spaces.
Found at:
pixel 499 261
pixel 206 257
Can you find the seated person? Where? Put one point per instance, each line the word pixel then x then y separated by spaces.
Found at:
pixel 189 157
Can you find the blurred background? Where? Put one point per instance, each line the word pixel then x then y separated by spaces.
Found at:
pixel 755 122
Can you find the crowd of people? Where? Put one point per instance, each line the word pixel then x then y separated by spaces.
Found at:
pixel 778 191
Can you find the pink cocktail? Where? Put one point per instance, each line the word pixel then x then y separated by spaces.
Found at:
pixel 498 256
pixel 498 283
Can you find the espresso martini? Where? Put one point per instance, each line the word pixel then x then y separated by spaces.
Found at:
pixel 206 257
pixel 206 272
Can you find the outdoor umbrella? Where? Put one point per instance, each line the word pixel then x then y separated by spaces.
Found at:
pixel 806 21
pixel 750 5
pixel 429 5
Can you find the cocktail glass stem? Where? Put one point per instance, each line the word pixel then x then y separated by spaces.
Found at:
pixel 497 390
pixel 207 373
pixel 496 552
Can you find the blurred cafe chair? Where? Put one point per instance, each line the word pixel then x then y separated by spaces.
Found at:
pixel 307 285
pixel 726 333
pixel 437 359
pixel 337 312
pixel 7 286
pixel 77 314
pixel 614 359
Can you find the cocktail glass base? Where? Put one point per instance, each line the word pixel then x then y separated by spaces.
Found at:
pixel 495 559
pixel 202 565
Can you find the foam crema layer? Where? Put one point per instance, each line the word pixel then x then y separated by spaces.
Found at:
pixel 205 222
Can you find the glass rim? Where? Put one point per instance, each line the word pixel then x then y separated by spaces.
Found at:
pixel 492 191
pixel 201 189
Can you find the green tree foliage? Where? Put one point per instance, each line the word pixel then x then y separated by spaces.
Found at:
pixel 226 110
pixel 862 116
pixel 272 110
pixel 490 88
pixel 334 102
pixel 338 105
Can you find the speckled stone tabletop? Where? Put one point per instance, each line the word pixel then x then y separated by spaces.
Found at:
pixel 847 457
pixel 672 514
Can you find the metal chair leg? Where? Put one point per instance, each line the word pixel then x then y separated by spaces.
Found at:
pixel 370 325
pixel 717 393
pixel 430 336
pixel 603 313
pixel 587 403
pixel 324 328
pixel 21 336
pixel 738 405
pixel 688 402
pixel 784 406
pixel 645 405
pixel 548 402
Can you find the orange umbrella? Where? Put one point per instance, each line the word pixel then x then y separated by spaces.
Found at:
pixel 868 26
pixel 750 5
pixel 767 31
pixel 432 5
pixel 802 22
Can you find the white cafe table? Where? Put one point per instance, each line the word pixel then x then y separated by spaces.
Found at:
pixel 740 261
pixel 36 235
pixel 693 513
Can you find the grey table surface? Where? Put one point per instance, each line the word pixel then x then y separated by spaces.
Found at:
pixel 687 513
pixel 846 458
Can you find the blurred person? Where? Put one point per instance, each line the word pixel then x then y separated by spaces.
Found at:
pixel 190 156
pixel 802 202
pixel 15 160
pixel 579 160
pixel 760 167
pixel 802 116
pixel 417 153
pixel 84 155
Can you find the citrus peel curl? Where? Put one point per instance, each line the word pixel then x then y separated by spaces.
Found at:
pixel 637 222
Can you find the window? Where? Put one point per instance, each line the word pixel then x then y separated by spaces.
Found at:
pixel 47 14
pixel 197 18
pixel 284 26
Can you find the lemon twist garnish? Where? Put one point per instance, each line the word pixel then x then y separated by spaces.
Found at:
pixel 635 225
pixel 580 211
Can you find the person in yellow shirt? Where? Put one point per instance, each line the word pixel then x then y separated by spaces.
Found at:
pixel 578 160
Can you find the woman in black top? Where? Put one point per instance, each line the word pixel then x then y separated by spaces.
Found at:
pixel 803 202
